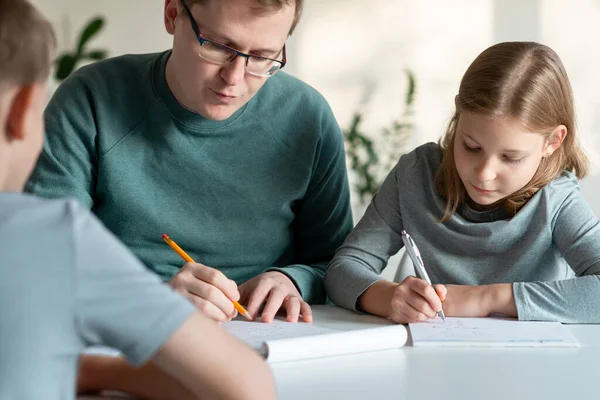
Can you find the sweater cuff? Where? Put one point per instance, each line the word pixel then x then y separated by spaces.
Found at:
pixel 521 299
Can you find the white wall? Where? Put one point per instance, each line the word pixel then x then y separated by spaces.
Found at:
pixel 132 26
pixel 572 28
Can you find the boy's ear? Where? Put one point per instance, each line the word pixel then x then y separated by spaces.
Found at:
pixel 555 140
pixel 171 13
pixel 16 121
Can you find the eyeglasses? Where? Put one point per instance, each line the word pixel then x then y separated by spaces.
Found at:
pixel 221 54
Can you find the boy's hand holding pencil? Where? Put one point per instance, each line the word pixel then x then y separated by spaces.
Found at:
pixel 209 289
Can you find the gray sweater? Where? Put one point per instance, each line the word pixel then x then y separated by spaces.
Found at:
pixel 550 250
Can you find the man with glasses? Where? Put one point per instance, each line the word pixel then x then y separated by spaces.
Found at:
pixel 241 164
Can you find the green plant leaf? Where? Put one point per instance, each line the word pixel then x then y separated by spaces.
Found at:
pixel 410 91
pixel 92 28
pixel 65 64
pixel 96 55
pixel 367 158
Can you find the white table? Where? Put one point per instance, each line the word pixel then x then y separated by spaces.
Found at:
pixel 442 373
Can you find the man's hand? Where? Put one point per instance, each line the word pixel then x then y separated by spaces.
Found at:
pixel 208 289
pixel 276 291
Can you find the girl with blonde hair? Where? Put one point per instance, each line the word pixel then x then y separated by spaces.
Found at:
pixel 495 207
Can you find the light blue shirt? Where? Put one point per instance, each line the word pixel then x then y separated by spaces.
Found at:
pixel 66 283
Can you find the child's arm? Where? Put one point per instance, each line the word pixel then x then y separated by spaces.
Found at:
pixel 99 373
pixel 413 301
pixel 576 235
pixel 480 301
pixel 200 360
pixel 366 250
pixel 353 280
pixel 119 304
pixel 235 371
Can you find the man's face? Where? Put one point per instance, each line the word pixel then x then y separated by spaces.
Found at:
pixel 218 91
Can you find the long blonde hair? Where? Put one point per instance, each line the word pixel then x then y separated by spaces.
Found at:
pixel 526 81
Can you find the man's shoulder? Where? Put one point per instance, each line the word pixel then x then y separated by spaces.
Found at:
pixel 286 92
pixel 119 66
pixel 115 93
pixel 289 84
pixel 112 78
pixel 295 113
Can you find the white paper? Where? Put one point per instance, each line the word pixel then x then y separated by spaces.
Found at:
pixel 256 333
pixel 490 332
pixel 284 341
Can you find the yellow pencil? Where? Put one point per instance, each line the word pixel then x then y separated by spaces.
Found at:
pixel 187 258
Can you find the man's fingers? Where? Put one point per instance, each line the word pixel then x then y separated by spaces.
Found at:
pixel 256 299
pixel 306 311
pixel 292 308
pixel 273 305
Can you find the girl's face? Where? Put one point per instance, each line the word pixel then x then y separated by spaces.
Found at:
pixel 495 157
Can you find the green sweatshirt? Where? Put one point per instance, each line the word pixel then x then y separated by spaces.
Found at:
pixel 263 190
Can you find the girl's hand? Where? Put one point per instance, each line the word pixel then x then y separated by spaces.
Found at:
pixel 414 300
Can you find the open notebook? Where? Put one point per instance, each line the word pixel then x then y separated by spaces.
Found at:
pixel 491 332
pixel 282 341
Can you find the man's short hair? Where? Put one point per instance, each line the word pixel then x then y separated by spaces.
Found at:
pixel 271 5
pixel 27 44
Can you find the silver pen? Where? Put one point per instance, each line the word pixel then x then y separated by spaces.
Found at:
pixel 415 256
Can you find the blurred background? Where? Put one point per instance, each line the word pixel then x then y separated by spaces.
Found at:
pixel 389 68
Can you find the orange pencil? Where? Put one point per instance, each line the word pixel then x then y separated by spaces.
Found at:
pixel 187 258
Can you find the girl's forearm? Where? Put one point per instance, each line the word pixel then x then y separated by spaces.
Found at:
pixel 377 298
pixel 502 300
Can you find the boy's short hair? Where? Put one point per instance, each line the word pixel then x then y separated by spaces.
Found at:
pixel 27 44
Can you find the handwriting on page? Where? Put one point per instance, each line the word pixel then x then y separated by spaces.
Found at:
pixel 453 328
pixel 255 333
pixel 490 331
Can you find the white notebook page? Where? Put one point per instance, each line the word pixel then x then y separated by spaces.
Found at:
pixel 283 341
pixel 256 333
